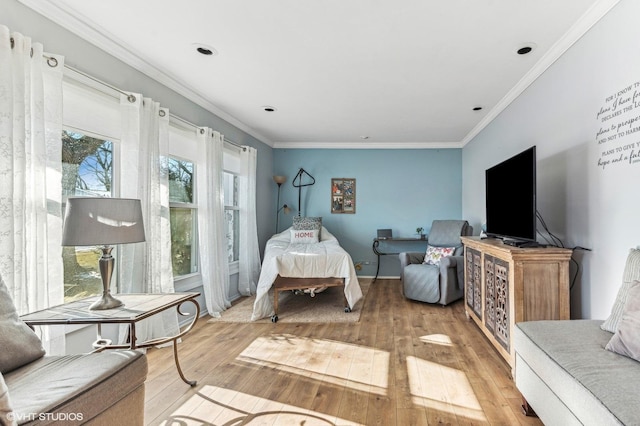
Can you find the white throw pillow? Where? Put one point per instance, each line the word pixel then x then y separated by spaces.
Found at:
pixel 19 345
pixel 626 340
pixel 434 254
pixel 631 273
pixel 308 236
pixel 306 223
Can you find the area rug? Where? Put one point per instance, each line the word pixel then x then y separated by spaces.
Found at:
pixel 327 306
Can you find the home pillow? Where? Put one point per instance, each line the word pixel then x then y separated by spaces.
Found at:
pixel 626 341
pixel 434 254
pixel 631 273
pixel 307 224
pixel 305 236
pixel 19 344
pixel 6 417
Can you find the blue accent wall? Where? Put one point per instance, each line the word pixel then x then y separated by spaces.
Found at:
pixel 398 189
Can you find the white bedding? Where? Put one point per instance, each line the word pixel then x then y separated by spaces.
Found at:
pixel 325 259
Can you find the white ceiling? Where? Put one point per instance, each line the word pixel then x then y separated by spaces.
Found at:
pixel 403 73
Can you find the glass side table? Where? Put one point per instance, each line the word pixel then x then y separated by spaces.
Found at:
pixel 136 308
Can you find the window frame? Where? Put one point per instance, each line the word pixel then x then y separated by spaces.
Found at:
pixel 231 165
pixel 93 110
pixel 185 148
pixel 234 266
pixel 191 277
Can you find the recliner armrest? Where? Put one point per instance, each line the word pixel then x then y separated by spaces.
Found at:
pixel 407 258
pixel 451 262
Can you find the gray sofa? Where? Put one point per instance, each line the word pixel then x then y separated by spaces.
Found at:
pixel 102 388
pixel 567 377
pixel 584 371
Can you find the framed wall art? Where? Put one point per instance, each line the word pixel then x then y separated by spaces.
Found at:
pixel 343 195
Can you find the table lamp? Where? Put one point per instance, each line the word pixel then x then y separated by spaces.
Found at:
pixel 93 221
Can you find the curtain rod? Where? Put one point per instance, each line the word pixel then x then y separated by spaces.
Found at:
pixel 53 62
pixel 130 97
pixel 195 126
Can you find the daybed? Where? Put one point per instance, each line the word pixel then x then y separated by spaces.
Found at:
pixel 305 266
pixel 584 371
pixel 105 388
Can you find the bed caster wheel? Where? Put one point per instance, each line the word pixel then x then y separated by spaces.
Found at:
pixel 274 318
pixel 347 309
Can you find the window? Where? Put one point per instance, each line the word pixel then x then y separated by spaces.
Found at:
pixel 232 215
pixel 87 170
pixel 183 217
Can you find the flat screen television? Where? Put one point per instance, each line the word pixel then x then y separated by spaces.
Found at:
pixel 511 199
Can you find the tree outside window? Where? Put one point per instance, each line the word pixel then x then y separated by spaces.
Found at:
pixel 183 217
pixel 87 171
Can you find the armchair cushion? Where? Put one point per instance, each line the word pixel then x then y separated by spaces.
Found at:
pixel 446 233
pixel 421 276
pixel 5 405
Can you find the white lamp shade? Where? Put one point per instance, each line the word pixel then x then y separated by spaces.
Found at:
pixel 91 221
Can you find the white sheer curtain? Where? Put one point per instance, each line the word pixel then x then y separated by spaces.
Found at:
pixel 249 262
pixel 31 177
pixel 146 267
pixel 212 240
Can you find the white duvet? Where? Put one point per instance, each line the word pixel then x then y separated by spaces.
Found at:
pixel 325 259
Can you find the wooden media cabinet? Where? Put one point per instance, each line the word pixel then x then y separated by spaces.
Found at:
pixel 505 285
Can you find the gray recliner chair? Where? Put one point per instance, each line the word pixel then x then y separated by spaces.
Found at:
pixel 443 283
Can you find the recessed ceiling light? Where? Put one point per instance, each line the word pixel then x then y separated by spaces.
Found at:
pixel 526 48
pixel 205 50
pixel 268 108
pixel 478 108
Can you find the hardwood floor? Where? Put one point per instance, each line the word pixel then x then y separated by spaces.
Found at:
pixel 403 363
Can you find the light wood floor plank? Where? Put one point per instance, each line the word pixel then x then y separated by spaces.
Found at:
pixel 403 363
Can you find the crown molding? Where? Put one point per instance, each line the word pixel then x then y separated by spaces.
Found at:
pixel 367 145
pixel 89 32
pixel 586 21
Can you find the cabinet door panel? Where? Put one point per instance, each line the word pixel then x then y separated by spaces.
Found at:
pixel 469 277
pixel 501 274
pixel 477 286
pixel 489 293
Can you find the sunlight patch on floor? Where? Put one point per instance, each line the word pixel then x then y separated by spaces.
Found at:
pixel 442 388
pixel 219 406
pixel 356 367
pixel 437 339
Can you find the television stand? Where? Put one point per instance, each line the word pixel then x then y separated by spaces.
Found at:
pixel 522 244
pixel 504 285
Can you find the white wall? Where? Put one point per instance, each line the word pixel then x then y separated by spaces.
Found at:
pixel 582 203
